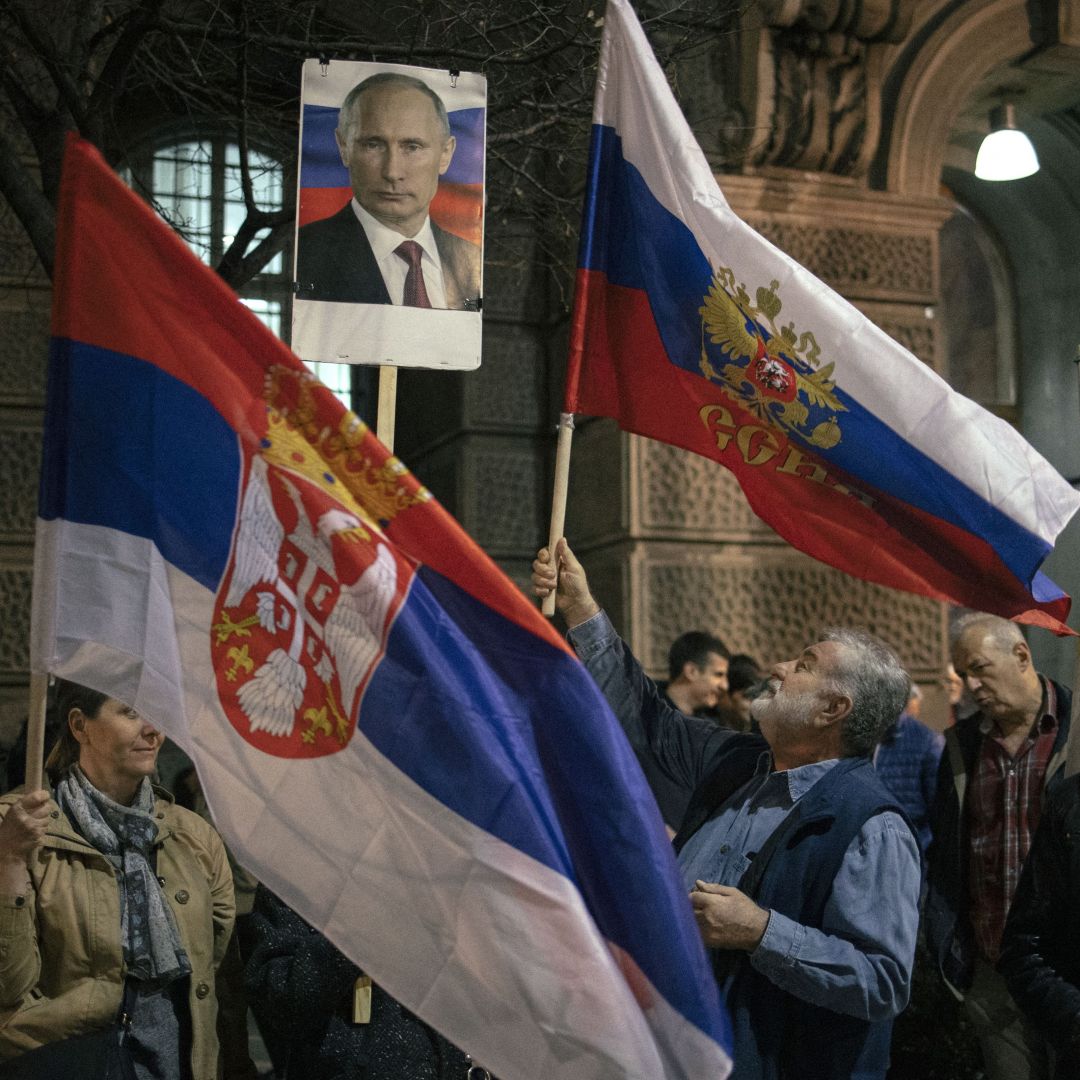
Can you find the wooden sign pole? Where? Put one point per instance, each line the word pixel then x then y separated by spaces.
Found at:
pixel 387 414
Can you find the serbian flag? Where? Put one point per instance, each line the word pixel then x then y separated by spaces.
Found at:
pixel 691 328
pixel 388 733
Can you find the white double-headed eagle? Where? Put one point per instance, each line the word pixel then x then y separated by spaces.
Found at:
pixel 351 634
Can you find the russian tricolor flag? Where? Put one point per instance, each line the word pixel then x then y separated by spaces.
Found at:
pixel 388 733
pixel 691 328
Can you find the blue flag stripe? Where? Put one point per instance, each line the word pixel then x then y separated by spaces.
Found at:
pixel 528 751
pixel 131 448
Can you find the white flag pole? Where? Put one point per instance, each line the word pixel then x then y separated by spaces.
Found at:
pixel 35 730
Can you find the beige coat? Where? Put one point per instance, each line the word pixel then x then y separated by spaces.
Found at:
pixel 61 963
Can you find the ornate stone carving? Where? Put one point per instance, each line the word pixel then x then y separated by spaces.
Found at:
pixel 20 466
pixel 14 622
pixel 507 390
pixel 24 349
pixel 685 495
pixel 773 604
pixel 809 77
pixel 503 496
pixel 859 262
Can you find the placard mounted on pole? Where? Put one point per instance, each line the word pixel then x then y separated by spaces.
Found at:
pixel 389 246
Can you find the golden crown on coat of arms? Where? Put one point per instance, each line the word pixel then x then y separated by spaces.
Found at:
pixel 344 460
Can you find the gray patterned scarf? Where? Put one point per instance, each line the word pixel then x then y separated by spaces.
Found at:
pixel 125 836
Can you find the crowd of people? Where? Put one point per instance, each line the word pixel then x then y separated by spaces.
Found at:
pixel 825 836
pixel 822 845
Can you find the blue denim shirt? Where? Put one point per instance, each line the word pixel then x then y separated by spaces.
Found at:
pixel 859 960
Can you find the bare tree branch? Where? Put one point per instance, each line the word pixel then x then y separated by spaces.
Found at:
pixel 20 188
pixel 116 69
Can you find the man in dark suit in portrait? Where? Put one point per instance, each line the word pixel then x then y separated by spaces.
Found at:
pixel 382 248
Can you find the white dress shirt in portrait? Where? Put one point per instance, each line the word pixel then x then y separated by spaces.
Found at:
pixel 393 268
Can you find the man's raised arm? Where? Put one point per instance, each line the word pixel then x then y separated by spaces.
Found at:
pixel 683 746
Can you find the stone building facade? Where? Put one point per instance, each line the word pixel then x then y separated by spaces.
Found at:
pixel 846 134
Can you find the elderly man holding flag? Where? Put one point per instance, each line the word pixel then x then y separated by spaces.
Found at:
pixel 803 871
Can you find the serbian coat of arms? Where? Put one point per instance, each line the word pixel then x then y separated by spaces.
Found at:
pixel 306 603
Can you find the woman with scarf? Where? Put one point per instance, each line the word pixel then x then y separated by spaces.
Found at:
pixel 116 905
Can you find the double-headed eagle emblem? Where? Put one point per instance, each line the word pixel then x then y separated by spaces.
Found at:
pixel 771 369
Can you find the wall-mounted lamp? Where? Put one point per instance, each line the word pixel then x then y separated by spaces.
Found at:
pixel 1006 153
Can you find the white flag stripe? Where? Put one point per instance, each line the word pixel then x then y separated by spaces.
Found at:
pixel 495 939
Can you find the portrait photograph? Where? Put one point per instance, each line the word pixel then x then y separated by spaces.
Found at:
pixel 389 243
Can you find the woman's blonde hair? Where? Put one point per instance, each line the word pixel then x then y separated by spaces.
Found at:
pixel 65 751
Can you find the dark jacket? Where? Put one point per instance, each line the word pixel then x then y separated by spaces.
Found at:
pixel 949 935
pixel 1040 955
pixel 777 1035
pixel 301 992
pixel 334 262
pixel 907 761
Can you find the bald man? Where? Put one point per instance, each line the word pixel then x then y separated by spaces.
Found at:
pixel 997 767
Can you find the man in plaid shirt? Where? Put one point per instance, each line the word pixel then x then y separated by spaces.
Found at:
pixel 996 769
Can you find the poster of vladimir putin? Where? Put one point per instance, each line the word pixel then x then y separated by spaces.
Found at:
pixel 389 255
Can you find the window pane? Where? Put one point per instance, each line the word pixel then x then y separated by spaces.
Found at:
pixel 182 185
pixel 268 189
pixel 338 377
pixel 269 312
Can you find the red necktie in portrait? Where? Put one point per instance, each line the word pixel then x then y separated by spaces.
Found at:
pixel 415 289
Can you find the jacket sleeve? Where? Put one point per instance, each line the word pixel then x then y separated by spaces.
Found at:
pixel 20 958
pixel 1029 960
pixel 859 959
pixel 683 746
pixel 295 977
pixel 222 899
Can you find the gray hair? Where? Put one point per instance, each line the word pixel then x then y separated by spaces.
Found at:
pixel 871 675
pixel 346 117
pixel 1002 632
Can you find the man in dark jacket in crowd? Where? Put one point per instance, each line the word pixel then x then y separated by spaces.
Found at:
pixel 803 873
pixel 907 761
pixel 323 1020
pixel 697 679
pixel 1040 952
pixel 999 764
